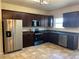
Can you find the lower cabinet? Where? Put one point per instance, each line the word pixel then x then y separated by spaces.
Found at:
pixel 28 39
pixel 53 38
pixel 63 39
pixel 72 42
pixel 50 37
pixel 67 40
pixel 45 37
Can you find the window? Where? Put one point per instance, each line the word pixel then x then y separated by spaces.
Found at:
pixel 58 23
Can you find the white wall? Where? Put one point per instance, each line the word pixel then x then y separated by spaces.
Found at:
pixel 1 49
pixel 58 13
pixel 14 7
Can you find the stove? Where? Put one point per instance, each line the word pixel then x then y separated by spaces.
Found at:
pixel 38 40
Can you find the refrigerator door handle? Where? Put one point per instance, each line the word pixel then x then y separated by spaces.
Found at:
pixel 8 33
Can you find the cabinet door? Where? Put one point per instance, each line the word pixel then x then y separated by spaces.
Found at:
pixel 17 15
pixel 27 20
pixel 50 37
pixel 54 38
pixel 67 20
pixel 45 37
pixel 50 21
pixel 71 19
pixel 7 14
pixel 42 21
pixel 77 20
pixel 28 39
pixel 46 21
pixel 72 42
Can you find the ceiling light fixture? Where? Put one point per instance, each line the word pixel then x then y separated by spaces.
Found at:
pixel 41 1
pixel 36 0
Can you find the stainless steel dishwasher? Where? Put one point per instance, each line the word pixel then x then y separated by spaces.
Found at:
pixel 63 39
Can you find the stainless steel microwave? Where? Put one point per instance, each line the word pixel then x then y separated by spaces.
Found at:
pixel 35 23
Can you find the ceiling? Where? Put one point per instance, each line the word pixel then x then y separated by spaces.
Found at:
pixel 52 4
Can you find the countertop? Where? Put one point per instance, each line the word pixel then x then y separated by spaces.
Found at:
pixel 69 30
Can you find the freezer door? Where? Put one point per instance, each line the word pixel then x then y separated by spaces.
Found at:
pixel 8 36
pixel 18 35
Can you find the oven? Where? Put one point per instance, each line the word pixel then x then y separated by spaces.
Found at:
pixel 38 37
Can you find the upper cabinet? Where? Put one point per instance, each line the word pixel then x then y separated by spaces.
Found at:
pixel 47 21
pixel 71 19
pixel 29 20
pixel 50 21
pixel 42 20
pixel 7 14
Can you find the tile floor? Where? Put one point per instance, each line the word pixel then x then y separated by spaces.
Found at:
pixel 43 51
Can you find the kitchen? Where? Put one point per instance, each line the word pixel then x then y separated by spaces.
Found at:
pixel 39 26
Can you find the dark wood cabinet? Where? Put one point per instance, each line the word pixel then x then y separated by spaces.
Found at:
pixel 50 37
pixel 69 40
pixel 42 20
pixel 72 42
pixel 27 20
pixel 47 21
pixel 54 38
pixel 28 39
pixel 45 37
pixel 7 14
pixel 50 21
pixel 64 39
pixel 71 19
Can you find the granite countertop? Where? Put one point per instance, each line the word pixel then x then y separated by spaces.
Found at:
pixel 70 30
pixel 67 30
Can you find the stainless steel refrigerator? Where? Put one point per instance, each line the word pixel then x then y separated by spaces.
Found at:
pixel 12 35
